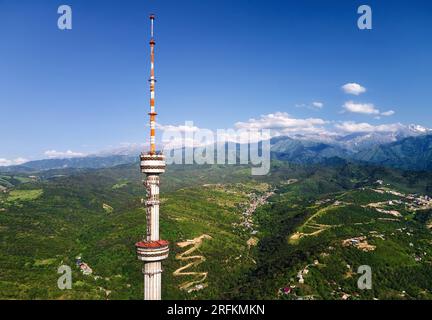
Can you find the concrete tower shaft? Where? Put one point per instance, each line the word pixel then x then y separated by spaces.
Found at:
pixel 152 251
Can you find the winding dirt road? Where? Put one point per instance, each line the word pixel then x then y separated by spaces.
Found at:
pixel 198 259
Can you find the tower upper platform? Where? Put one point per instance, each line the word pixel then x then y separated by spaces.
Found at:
pixel 153 163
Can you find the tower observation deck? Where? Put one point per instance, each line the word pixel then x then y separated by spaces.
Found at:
pixel 152 251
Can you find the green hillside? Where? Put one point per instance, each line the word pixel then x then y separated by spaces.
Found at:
pixel 252 235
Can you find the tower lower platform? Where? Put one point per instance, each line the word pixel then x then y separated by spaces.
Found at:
pixel 152 253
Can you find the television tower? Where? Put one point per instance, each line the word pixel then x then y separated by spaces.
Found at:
pixel 152 251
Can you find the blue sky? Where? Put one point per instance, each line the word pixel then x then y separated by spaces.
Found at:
pixel 217 63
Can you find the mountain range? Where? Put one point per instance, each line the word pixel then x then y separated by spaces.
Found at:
pixel 409 153
pixel 408 147
pixel 369 137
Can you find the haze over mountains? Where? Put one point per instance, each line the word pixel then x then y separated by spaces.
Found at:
pixel 407 147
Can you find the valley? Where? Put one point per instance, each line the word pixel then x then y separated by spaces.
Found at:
pixel 300 232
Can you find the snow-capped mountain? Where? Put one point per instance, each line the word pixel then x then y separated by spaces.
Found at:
pixel 361 141
pixel 300 148
pixel 358 141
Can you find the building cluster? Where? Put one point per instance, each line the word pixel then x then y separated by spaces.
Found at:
pixel 301 274
pixel 256 201
pixel 402 202
pixel 378 206
pixel 412 202
pixel 322 202
pixel 290 289
pixel 420 202
pixel 359 243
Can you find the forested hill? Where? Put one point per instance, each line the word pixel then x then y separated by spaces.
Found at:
pixel 254 233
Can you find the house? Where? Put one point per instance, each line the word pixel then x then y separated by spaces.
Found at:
pixel 286 290
pixel 85 269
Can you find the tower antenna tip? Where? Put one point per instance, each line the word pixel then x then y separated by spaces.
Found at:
pixel 152 18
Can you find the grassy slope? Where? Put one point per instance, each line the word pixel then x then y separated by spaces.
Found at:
pixel 67 219
pixel 393 265
pixel 39 233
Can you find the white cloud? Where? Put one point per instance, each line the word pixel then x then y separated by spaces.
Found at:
pixel 53 154
pixel 353 127
pixel 301 105
pixel 364 108
pixel 179 136
pixel 282 123
pixel 314 105
pixel 187 127
pixel 353 88
pixel 388 113
pixel 277 124
pixel 12 162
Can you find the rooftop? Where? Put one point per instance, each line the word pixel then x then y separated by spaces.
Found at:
pixel 152 244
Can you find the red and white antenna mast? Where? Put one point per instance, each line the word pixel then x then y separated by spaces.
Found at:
pixel 152 80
